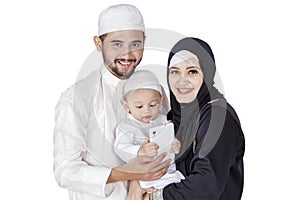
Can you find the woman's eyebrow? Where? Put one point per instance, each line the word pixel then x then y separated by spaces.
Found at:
pixel 192 67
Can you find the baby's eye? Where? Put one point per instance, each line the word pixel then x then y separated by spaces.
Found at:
pixel 139 107
pixel 153 105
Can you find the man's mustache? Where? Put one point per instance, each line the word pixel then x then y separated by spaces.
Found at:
pixel 125 60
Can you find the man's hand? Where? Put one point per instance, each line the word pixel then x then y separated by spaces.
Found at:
pixel 141 168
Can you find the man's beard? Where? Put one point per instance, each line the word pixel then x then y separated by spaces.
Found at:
pixel 123 75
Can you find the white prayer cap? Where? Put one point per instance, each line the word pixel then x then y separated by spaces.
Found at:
pixel 119 18
pixel 142 79
pixel 182 56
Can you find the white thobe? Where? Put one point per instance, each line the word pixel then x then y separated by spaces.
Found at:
pixel 86 116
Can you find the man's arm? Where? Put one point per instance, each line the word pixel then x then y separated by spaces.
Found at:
pixel 70 169
pixel 140 168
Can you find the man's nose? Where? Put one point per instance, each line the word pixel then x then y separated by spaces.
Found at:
pixel 126 51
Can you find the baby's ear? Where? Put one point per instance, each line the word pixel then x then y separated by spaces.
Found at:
pixel 125 105
pixel 161 100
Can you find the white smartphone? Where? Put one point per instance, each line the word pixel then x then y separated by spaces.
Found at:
pixel 163 135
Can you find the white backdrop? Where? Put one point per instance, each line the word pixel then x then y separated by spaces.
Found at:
pixel 43 45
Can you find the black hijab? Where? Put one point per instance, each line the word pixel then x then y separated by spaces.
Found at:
pixel 186 116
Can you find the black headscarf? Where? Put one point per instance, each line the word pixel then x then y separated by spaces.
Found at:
pixel 186 115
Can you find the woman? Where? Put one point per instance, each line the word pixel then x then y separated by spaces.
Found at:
pixel 211 157
pixel 212 141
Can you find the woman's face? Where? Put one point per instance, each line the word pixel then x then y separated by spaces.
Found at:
pixel 185 79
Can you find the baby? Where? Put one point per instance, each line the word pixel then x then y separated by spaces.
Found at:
pixel 142 99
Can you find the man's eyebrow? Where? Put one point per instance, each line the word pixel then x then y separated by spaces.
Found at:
pixel 139 41
pixel 116 41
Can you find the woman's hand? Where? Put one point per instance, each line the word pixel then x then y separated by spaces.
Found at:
pixel 147 192
pixel 175 146
pixel 146 196
pixel 135 191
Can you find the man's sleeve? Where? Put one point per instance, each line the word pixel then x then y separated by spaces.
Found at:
pixel 70 170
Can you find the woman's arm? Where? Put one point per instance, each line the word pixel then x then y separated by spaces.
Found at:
pixel 212 161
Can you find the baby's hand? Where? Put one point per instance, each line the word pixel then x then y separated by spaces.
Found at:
pixel 175 146
pixel 148 149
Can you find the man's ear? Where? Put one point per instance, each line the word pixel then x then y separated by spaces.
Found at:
pixel 98 43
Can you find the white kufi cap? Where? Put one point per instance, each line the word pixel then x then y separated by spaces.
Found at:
pixel 142 79
pixel 119 18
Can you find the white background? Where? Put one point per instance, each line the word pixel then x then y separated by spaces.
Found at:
pixel 256 44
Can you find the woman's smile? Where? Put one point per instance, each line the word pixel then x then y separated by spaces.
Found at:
pixel 184 91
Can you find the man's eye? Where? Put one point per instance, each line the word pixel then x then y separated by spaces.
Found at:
pixel 117 44
pixel 136 44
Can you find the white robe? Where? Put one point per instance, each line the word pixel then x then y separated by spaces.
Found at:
pixel 86 116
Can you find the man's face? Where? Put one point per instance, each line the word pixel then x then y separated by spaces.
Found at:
pixel 122 51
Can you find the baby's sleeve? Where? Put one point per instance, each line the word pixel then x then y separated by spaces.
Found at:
pixel 125 145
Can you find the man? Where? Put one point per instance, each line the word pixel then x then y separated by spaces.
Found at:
pixel 88 112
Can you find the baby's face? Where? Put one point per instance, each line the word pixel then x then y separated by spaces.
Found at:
pixel 143 104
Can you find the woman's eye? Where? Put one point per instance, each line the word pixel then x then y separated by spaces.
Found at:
pixel 193 71
pixel 174 72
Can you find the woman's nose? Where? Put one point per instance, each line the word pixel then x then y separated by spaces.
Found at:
pixel 182 78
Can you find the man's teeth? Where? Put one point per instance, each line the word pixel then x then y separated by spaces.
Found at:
pixel 124 62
